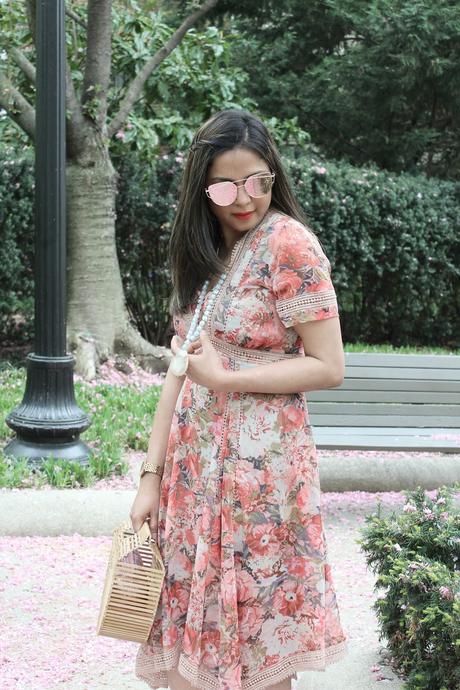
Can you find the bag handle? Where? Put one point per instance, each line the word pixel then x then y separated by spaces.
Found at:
pixel 129 531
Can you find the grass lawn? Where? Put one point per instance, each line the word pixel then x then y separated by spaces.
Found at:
pixel 409 350
pixel 121 422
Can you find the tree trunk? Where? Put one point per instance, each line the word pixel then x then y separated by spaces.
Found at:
pixel 98 322
pixel 95 300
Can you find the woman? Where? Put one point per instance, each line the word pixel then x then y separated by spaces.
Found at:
pixel 248 598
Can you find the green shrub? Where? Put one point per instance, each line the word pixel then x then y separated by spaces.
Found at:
pixel 416 556
pixel 146 203
pixel 393 242
pixel 16 247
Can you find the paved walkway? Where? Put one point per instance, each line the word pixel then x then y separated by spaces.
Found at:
pixel 49 640
pixel 54 553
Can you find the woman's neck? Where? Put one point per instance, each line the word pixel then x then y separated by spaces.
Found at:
pixel 224 252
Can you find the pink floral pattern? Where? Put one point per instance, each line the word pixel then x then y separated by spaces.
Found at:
pixel 248 597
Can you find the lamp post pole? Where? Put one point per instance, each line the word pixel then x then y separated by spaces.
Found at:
pixel 48 421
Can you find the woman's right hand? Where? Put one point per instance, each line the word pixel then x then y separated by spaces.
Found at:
pixel 146 505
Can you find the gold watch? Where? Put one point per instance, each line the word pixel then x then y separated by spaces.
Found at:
pixel 148 466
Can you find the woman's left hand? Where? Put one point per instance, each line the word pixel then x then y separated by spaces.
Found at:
pixel 204 366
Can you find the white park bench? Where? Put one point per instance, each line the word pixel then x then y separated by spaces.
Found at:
pixel 390 402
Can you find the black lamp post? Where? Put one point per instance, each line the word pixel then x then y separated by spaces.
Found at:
pixel 48 421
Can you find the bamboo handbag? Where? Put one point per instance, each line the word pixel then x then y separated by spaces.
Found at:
pixel 132 586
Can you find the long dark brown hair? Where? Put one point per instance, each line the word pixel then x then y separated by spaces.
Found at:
pixel 196 235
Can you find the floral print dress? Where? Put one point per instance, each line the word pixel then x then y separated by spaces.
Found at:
pixel 248 598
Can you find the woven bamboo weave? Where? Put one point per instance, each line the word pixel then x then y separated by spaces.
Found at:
pixel 132 586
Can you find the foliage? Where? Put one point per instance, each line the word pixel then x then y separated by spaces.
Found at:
pixel 177 97
pixel 146 203
pixel 400 234
pixel 416 556
pixel 394 245
pixel 389 349
pixel 16 247
pixel 375 81
pixel 14 33
pixel 393 242
pixel 121 421
pixel 371 81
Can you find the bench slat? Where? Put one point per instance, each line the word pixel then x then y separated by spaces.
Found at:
pixel 392 402
pixel 382 359
pixel 402 373
pixel 384 420
pixel 391 396
pixel 340 438
pixel 425 432
pixel 398 384
pixel 378 408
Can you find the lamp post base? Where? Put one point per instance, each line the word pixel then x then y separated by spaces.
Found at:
pixel 37 453
pixel 48 421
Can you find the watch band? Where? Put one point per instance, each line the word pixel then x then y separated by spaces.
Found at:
pixel 148 466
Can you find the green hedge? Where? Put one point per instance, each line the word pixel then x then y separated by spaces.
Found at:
pixel 393 242
pixel 146 202
pixel 16 248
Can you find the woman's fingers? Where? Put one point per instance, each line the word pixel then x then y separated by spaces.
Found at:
pixel 153 524
pixel 137 521
pixel 177 343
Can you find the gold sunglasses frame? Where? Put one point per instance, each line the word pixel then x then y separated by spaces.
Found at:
pixel 243 180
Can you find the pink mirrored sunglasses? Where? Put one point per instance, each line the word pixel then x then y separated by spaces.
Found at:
pixel 225 193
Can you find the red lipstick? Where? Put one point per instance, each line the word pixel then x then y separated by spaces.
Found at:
pixel 243 216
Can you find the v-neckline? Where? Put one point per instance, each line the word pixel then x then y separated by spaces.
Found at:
pixel 229 263
pixel 235 255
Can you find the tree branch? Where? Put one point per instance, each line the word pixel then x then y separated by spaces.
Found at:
pixel 134 90
pixel 75 121
pixel 98 56
pixel 17 107
pixel 73 15
pixel 24 64
pixel 31 13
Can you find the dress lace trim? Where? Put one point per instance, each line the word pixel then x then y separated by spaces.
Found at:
pixel 304 307
pixel 152 668
pixel 244 354
pixel 247 355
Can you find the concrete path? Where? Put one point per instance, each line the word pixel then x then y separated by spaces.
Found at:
pixel 93 512
pixel 63 538
pixel 90 662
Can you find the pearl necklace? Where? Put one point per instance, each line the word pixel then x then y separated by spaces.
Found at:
pixel 179 362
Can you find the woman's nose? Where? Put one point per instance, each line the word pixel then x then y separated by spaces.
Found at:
pixel 242 196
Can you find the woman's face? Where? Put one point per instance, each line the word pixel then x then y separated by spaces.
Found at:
pixel 246 211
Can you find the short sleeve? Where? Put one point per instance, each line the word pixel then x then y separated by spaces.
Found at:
pixel 301 275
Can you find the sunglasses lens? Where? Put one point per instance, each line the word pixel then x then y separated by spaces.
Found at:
pixel 223 193
pixel 258 185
